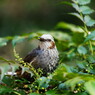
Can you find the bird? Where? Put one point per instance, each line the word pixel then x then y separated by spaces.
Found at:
pixel 45 56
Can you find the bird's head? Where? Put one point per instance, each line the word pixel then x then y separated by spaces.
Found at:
pixel 46 41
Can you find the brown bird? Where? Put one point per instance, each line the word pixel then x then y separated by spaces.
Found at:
pixel 45 56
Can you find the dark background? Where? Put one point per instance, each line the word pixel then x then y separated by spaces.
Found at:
pixel 24 16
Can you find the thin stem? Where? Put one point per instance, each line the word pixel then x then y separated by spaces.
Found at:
pixel 20 60
pixel 86 31
pixel 91 48
pixel 34 71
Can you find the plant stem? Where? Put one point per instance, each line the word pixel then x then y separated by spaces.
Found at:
pixel 91 48
pixel 87 33
pixel 86 30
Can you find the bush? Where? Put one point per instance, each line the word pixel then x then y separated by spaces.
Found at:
pixel 76 70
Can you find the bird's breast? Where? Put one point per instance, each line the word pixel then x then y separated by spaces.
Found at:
pixel 47 59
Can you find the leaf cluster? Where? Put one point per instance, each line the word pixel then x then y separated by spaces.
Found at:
pixel 75 74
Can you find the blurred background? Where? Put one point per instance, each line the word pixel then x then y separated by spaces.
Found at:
pixel 18 17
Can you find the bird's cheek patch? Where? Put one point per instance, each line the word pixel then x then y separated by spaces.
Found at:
pixel 52 45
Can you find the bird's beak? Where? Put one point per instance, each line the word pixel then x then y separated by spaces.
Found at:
pixel 41 39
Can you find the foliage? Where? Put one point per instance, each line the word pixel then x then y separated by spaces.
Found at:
pixel 76 70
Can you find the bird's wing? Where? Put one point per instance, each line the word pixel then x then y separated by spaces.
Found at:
pixel 31 56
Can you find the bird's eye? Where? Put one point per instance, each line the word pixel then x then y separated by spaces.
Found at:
pixel 48 40
pixel 43 40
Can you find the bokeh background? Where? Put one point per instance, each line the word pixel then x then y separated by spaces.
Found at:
pixel 18 17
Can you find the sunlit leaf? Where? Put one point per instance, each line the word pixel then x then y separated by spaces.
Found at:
pixel 82 50
pixel 83 2
pixel 17 39
pixel 33 35
pixel 71 27
pixel 26 69
pixel 76 7
pixel 61 36
pixel 89 21
pixel 75 1
pixel 3 41
pixel 86 10
pixel 4 68
pixel 77 15
pixel 14 67
pixel 90 36
pixel 90 87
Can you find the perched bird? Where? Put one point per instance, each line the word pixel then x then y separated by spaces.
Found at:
pixel 45 56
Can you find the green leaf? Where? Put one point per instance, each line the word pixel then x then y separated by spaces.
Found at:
pixel 83 2
pixel 71 55
pixel 79 36
pixel 89 21
pixel 62 85
pixel 75 1
pixel 65 2
pixel 61 36
pixel 77 15
pixel 92 70
pixel 5 90
pixel 90 36
pixel 86 10
pixel 82 50
pixel 81 65
pixel 17 39
pixel 68 68
pixel 72 82
pixel 34 94
pixel 4 69
pixel 51 92
pixel 14 67
pixel 71 27
pixel 5 60
pixel 90 87
pixel 76 7
pixel 8 81
pixel 43 82
pixel 32 36
pixel 3 41
pixel 63 71
pixel 59 73
pixel 81 93
pixel 91 58
pixel 24 69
